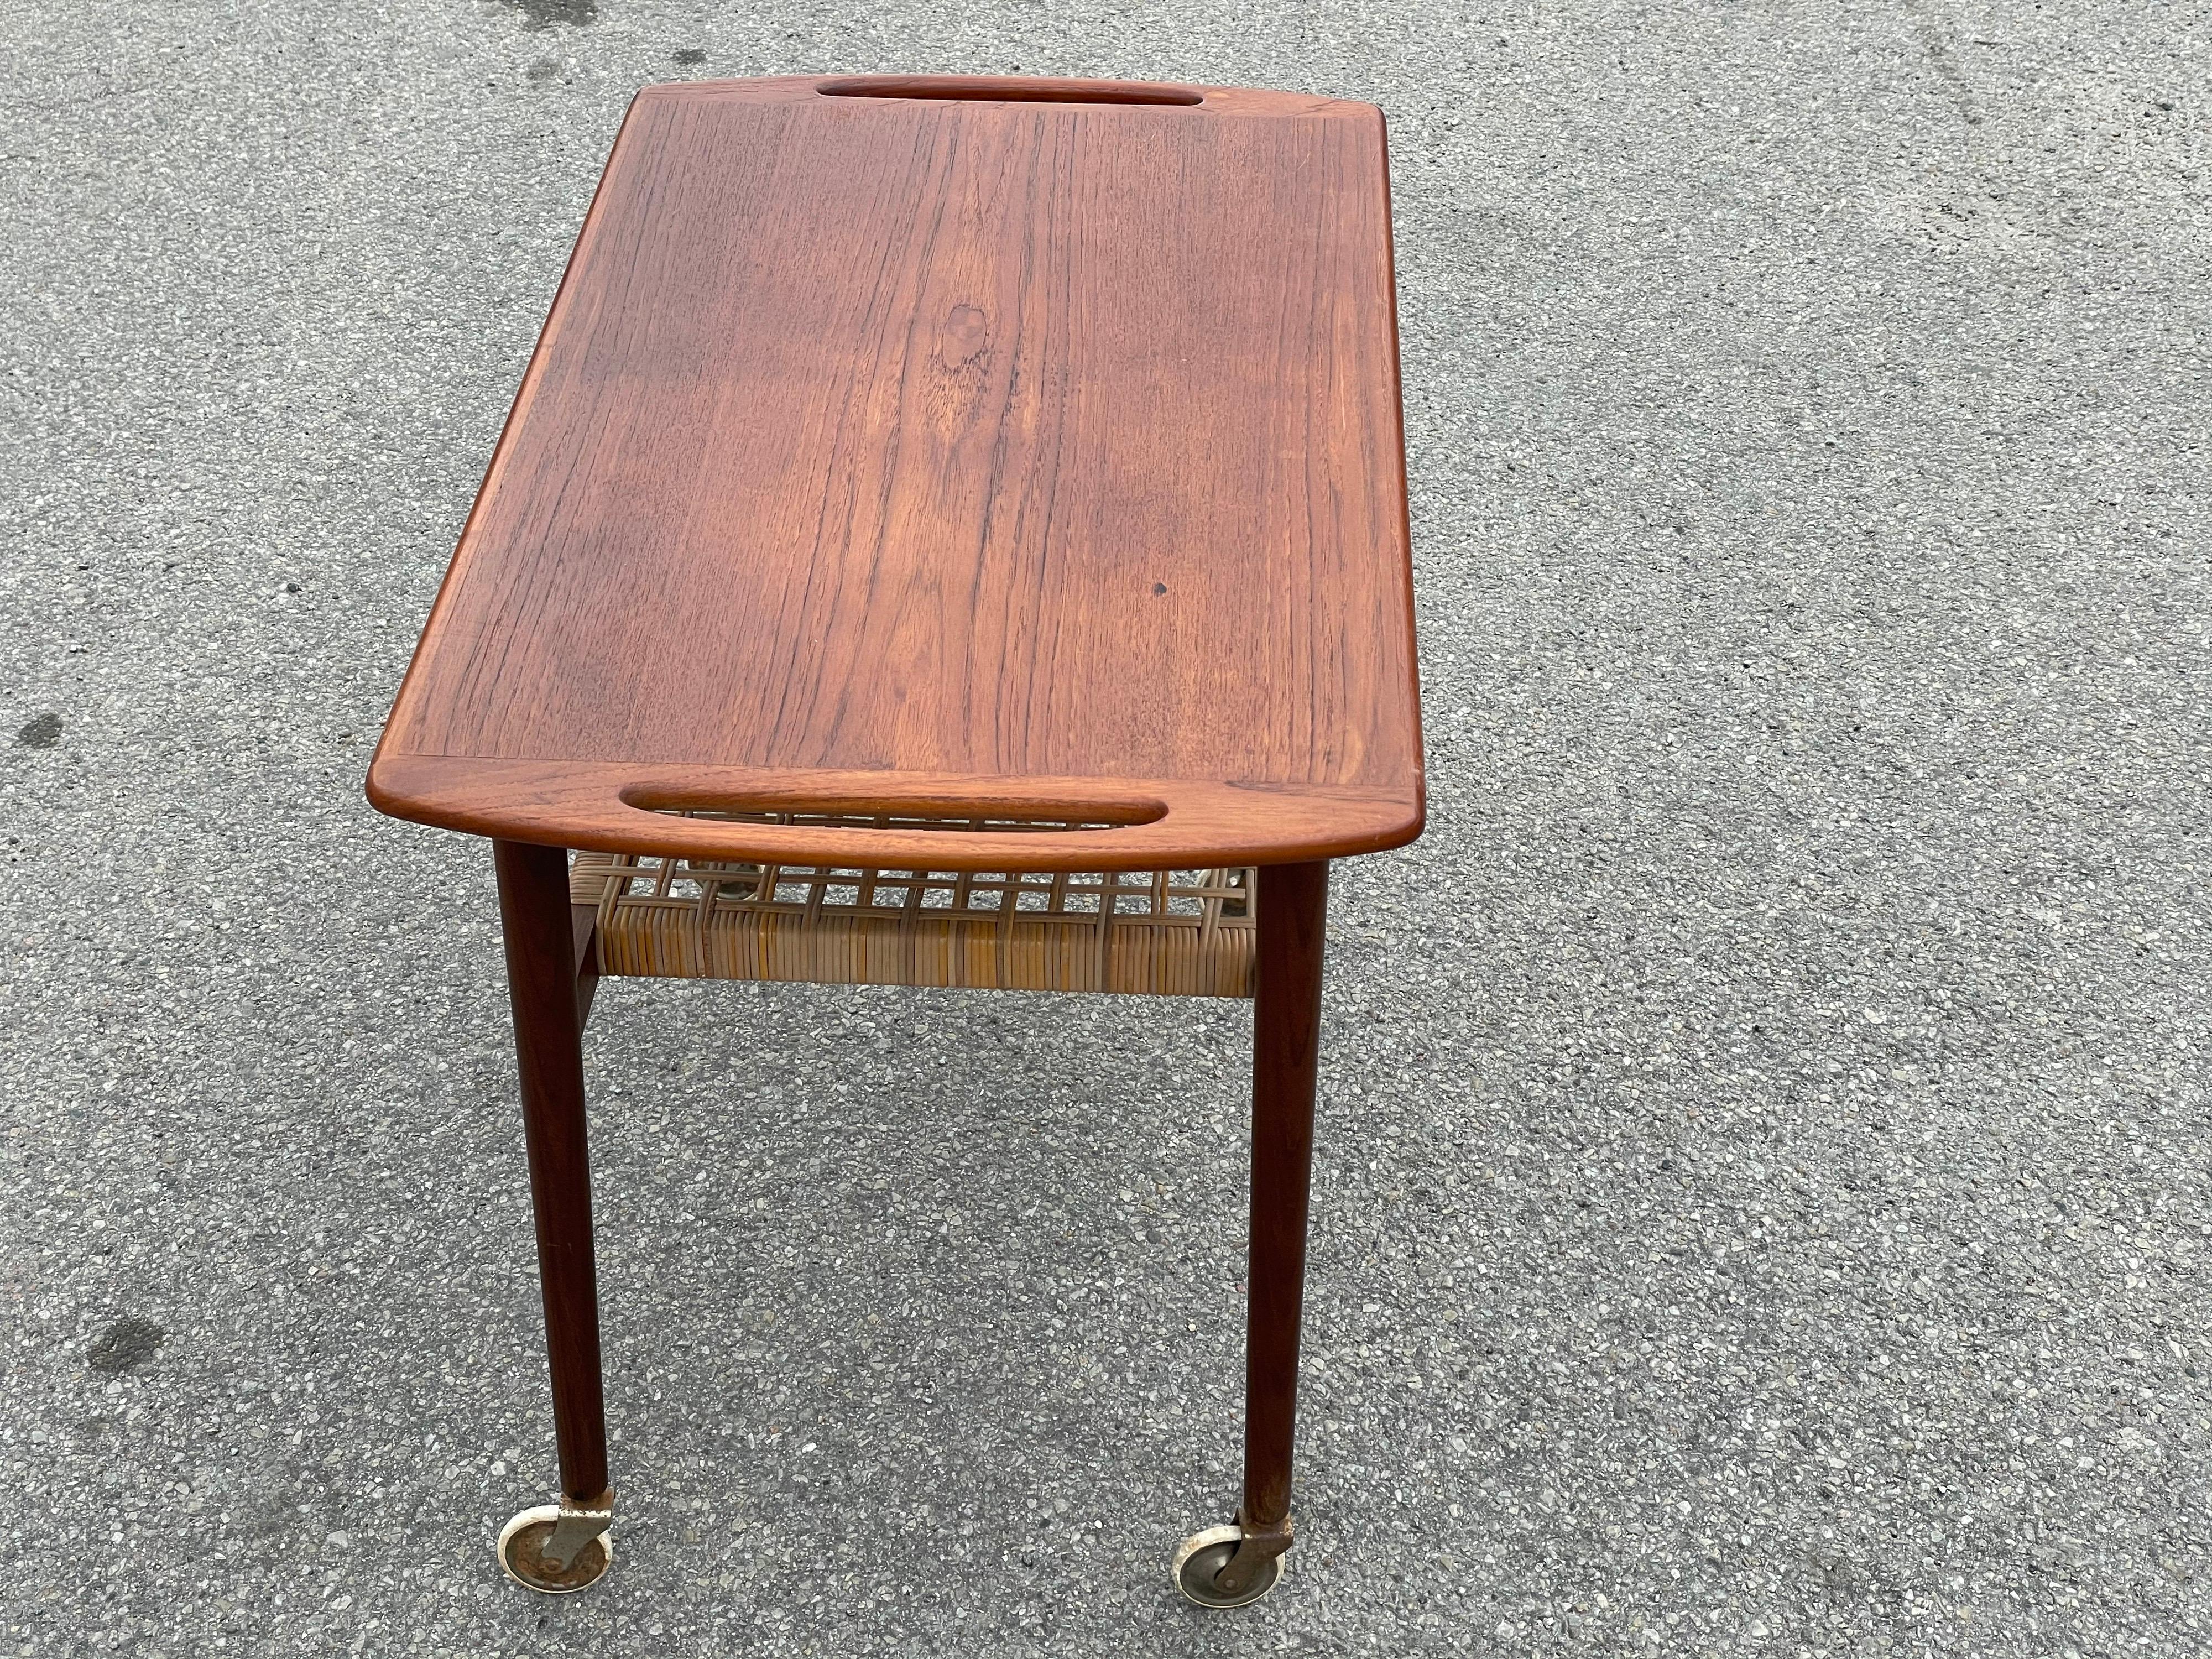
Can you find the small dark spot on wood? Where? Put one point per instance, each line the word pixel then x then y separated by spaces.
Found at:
pixel 43 732
pixel 689 56
pixel 1159 587
pixel 127 1344
pixel 964 336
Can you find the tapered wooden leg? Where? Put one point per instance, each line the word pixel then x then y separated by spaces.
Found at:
pixel 1286 1066
pixel 549 1044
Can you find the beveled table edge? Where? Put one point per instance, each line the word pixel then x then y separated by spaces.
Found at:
pixel 1023 91
pixel 1181 822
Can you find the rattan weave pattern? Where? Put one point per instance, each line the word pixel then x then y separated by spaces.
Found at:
pixel 1189 932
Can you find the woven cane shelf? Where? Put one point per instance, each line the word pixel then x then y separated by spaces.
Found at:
pixel 1186 933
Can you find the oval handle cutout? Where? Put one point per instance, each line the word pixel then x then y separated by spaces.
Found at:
pixel 850 812
pixel 1007 90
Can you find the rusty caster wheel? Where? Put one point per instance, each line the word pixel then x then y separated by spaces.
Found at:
pixel 557 1549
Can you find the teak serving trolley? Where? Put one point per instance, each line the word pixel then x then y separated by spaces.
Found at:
pixel 950 532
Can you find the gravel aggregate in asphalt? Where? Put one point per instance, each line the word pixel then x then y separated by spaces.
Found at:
pixel 1761 1200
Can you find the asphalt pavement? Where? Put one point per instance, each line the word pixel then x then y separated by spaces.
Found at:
pixel 1761 1205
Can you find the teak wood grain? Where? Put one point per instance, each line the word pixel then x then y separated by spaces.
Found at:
pixel 1007 448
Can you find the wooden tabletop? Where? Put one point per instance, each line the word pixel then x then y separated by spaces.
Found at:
pixel 999 450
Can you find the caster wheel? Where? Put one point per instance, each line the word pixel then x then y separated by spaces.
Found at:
pixel 1201 1558
pixel 522 1553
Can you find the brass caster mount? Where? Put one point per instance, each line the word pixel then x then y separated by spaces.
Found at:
pixel 560 1547
pixel 1231 1566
